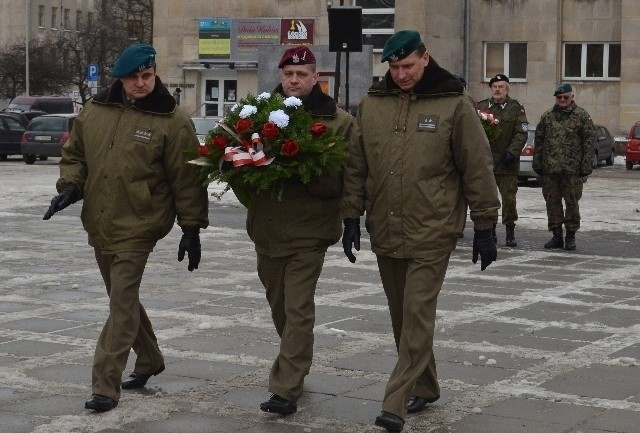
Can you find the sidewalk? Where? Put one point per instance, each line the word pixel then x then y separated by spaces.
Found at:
pixel 540 342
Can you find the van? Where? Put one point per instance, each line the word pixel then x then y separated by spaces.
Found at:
pixel 48 104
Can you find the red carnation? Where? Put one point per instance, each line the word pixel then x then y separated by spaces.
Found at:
pixel 203 151
pixel 318 129
pixel 290 148
pixel 270 130
pixel 243 124
pixel 220 142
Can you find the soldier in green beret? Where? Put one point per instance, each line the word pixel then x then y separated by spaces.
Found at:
pixel 506 147
pixel 126 159
pixel 418 156
pixel 565 142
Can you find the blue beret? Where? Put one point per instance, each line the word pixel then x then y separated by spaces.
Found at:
pixel 134 59
pixel 563 88
pixel 400 45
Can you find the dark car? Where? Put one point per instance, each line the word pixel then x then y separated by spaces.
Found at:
pixel 24 117
pixel 604 146
pixel 45 136
pixel 10 135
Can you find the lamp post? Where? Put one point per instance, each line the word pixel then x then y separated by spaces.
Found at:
pixel 26 51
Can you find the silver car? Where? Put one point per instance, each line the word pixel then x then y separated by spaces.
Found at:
pixel 525 172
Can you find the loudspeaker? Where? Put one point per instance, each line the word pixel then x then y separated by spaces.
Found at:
pixel 345 29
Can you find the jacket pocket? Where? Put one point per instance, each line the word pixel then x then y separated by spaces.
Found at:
pixel 140 198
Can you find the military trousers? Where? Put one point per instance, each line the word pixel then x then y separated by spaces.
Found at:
pixel 290 284
pixel 412 287
pixel 508 188
pixel 127 326
pixel 555 188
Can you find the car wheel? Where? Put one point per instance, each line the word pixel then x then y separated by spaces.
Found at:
pixel 609 160
pixel 43 158
pixel 29 159
pixel 594 163
pixel 629 165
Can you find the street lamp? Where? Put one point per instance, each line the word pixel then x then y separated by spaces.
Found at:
pixel 26 51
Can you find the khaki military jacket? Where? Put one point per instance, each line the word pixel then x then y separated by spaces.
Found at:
pixel 565 142
pixel 416 160
pixel 307 216
pixel 513 132
pixel 129 162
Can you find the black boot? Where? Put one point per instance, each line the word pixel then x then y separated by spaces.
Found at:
pixel 493 232
pixel 570 240
pixel 556 241
pixel 511 236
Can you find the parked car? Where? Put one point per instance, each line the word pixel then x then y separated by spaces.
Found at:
pixel 24 117
pixel 10 135
pixel 632 152
pixel 525 171
pixel 48 104
pixel 45 136
pixel 203 126
pixel 604 146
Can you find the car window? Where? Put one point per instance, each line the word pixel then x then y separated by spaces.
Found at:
pixel 203 126
pixel 13 124
pixel 46 124
pixel 636 132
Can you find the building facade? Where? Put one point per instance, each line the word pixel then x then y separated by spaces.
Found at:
pixel 592 44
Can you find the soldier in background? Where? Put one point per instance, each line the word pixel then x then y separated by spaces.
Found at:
pixel 506 147
pixel 564 153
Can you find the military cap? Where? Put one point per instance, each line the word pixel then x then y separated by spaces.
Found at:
pixel 400 45
pixel 498 77
pixel 134 59
pixel 563 88
pixel 298 55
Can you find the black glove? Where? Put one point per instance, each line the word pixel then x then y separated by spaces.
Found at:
pixel 484 245
pixel 508 159
pixel 190 243
pixel 68 195
pixel 351 237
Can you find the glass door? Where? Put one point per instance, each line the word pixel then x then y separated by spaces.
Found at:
pixel 220 95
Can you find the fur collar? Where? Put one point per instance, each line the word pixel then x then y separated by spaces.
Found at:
pixel 159 101
pixel 434 81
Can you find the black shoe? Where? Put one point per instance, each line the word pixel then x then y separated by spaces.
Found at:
pixel 100 403
pixel 389 421
pixel 139 380
pixel 511 237
pixel 277 404
pixel 570 240
pixel 556 241
pixel 417 403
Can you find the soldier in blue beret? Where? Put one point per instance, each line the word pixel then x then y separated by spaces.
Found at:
pixel 417 157
pixel 126 158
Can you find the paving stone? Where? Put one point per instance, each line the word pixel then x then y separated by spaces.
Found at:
pixel 542 411
pixel 19 423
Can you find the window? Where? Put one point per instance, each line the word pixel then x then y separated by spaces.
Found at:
pixel 591 61
pixel 509 58
pixel 378 20
pixel 66 21
pixel 89 19
pixel 78 20
pixel 41 16
pixel 54 18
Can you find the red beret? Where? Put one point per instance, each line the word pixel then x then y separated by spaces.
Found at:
pixel 298 55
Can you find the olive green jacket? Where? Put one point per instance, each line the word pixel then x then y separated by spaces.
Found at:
pixel 512 124
pixel 416 159
pixel 565 142
pixel 129 162
pixel 306 216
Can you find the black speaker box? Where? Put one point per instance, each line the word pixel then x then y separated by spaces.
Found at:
pixel 345 29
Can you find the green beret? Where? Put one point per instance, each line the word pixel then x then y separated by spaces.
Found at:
pixel 563 88
pixel 134 59
pixel 400 45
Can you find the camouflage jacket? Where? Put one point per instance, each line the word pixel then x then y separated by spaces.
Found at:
pixel 565 142
pixel 513 132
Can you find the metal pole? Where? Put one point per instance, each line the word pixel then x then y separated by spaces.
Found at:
pixel 26 51
pixel 346 83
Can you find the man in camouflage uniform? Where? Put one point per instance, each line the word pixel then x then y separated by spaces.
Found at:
pixel 564 154
pixel 505 148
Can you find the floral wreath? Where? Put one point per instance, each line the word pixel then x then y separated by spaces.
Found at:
pixel 489 124
pixel 265 141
